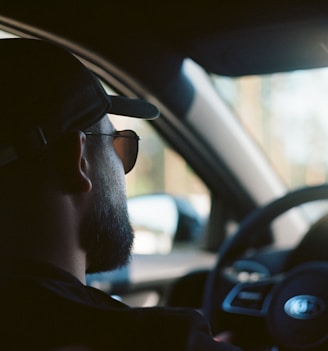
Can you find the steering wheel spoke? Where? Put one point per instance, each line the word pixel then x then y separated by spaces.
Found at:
pixel 250 299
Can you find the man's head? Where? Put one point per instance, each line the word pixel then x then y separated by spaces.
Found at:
pixel 62 156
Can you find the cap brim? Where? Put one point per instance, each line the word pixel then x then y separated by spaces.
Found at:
pixel 138 108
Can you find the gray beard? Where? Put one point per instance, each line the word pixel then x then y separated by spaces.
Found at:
pixel 106 234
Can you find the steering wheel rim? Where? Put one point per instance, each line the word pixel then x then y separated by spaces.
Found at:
pixel 235 245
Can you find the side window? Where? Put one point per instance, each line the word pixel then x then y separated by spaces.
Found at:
pixel 4 35
pixel 168 204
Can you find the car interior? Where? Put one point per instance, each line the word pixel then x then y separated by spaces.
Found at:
pixel 229 197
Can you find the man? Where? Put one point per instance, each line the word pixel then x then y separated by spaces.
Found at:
pixel 63 211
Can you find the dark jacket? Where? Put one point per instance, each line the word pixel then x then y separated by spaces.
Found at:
pixel 43 307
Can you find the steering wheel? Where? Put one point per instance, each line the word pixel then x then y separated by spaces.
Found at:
pixel 290 309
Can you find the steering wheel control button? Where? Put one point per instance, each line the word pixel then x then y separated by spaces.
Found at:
pixel 304 307
pixel 248 299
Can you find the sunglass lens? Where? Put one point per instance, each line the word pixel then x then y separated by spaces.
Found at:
pixel 126 146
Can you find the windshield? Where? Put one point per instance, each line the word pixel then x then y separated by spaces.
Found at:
pixel 286 115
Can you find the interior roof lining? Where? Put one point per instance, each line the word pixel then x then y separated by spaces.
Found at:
pixel 234 39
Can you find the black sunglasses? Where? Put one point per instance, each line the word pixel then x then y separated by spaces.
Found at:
pixel 126 145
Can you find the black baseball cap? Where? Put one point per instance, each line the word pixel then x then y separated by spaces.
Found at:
pixel 46 92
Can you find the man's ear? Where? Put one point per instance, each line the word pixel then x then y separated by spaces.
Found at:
pixel 74 163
